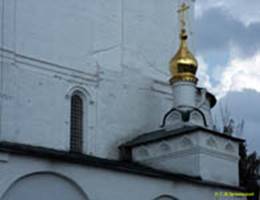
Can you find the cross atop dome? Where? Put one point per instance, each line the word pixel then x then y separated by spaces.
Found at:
pixel 183 65
pixel 182 10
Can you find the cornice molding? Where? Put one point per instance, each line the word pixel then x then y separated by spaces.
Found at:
pixel 38 64
pixel 192 151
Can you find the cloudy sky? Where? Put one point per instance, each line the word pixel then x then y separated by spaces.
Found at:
pixel 227 44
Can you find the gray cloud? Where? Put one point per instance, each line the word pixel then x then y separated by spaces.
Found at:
pixel 245 105
pixel 216 29
pixel 243 10
pixel 219 26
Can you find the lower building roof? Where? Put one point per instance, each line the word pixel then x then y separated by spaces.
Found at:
pixel 164 134
pixel 115 165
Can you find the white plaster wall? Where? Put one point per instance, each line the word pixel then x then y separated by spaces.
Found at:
pixel 183 164
pixel 115 112
pixel 220 144
pixel 86 35
pixel 204 105
pixel 150 32
pixel 218 169
pixel 208 115
pixel 200 153
pixel 36 107
pixel 70 33
pixel 44 186
pixel 184 95
pixel 99 183
pixel 116 51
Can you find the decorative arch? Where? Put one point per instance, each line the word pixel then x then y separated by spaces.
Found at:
pixel 44 185
pixel 185 116
pixel 186 142
pixel 212 142
pixel 143 152
pixel 81 91
pixel 165 197
pixel 229 147
pixel 196 118
pixel 165 147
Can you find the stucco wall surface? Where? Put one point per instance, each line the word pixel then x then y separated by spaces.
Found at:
pixel 87 182
pixel 115 52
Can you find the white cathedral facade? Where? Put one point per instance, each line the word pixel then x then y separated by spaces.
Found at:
pixel 87 111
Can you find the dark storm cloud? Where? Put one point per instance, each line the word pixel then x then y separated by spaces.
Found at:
pixel 216 30
pixel 245 105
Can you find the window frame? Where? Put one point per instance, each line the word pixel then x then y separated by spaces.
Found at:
pixel 77 133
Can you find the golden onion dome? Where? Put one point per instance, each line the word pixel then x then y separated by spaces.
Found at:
pixel 183 65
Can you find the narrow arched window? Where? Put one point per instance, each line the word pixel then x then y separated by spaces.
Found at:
pixel 76 124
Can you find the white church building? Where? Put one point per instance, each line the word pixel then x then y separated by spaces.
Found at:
pixel 89 109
